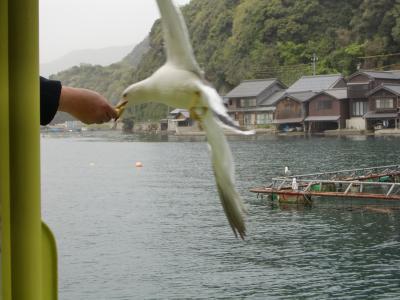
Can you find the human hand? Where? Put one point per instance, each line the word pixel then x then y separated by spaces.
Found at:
pixel 86 105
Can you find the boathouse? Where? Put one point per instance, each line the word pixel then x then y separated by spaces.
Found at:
pixel 327 110
pixel 359 85
pixel 251 103
pixel 383 107
pixel 292 108
pixel 179 118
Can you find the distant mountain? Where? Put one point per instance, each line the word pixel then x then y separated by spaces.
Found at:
pixel 109 80
pixel 103 57
pixel 134 57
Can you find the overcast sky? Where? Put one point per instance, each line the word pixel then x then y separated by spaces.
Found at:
pixel 67 25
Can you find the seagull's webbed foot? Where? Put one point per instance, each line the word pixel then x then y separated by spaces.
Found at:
pixel 196 110
pixel 197 113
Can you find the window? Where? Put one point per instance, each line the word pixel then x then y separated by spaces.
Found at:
pixel 248 119
pixel 248 102
pixel 358 90
pixel 324 104
pixel 383 103
pixel 264 118
pixel 359 108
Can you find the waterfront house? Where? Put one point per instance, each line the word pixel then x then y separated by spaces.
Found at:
pixel 179 118
pixel 383 107
pixel 251 103
pixel 291 110
pixel 359 85
pixel 327 110
pixel 292 107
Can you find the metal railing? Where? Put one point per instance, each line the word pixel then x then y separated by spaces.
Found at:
pixel 343 187
pixel 349 174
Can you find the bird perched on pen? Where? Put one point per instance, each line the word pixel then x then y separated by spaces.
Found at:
pixel 287 171
pixel 180 83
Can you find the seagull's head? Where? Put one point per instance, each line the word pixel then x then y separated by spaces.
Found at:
pixel 132 95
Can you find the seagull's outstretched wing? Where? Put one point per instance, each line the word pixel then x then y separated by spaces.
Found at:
pixel 215 103
pixel 224 174
pixel 176 37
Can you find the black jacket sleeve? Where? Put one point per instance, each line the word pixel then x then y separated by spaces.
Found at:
pixel 50 91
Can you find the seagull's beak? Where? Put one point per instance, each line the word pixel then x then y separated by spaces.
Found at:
pixel 120 107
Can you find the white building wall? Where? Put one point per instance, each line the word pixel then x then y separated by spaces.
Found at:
pixel 172 125
pixel 357 123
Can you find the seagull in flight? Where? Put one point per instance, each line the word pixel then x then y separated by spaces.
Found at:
pixel 180 83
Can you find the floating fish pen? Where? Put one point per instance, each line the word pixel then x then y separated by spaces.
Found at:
pixel 370 186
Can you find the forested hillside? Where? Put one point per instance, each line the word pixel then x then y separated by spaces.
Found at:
pixel 235 40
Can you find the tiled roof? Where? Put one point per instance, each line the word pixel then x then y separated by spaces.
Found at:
pixel 339 93
pixel 250 88
pixel 301 96
pixel 314 83
pixel 322 118
pixel 373 115
pixel 271 100
pixel 177 111
pixel 252 109
pixel 383 74
pixel 394 88
pixel 393 74
pixel 283 121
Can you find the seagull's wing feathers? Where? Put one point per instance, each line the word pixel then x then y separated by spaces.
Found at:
pixel 216 105
pixel 224 173
pixel 176 37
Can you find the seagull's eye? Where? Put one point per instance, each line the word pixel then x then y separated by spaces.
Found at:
pixel 124 95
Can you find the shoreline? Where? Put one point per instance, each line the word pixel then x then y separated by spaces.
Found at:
pixel 329 133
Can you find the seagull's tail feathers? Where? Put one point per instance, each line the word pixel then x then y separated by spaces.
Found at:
pixel 215 103
pixel 224 175
pixel 234 210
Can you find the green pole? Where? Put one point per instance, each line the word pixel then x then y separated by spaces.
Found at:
pixel 24 149
pixel 4 157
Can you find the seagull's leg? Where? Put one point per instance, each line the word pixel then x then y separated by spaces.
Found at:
pixel 196 111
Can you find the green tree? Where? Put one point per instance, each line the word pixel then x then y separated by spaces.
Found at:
pixel 234 40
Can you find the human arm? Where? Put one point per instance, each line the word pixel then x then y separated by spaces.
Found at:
pixel 85 105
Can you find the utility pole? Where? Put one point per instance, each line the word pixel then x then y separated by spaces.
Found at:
pixel 314 63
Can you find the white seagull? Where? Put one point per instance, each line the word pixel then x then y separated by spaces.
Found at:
pixel 180 83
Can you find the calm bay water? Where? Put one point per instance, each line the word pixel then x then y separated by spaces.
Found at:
pixel 159 232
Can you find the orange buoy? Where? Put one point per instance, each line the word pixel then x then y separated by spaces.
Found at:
pixel 138 164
